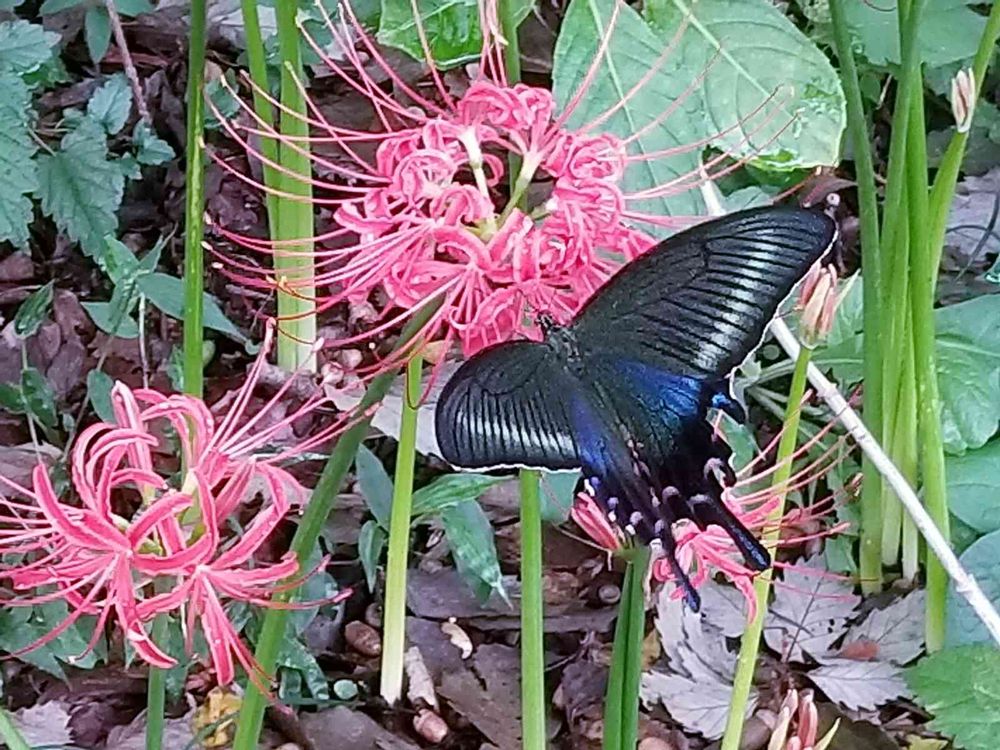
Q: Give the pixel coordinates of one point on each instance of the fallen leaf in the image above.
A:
(346, 729)
(969, 218)
(419, 684)
(896, 632)
(859, 684)
(810, 611)
(177, 733)
(488, 695)
(44, 724)
(18, 461)
(925, 743)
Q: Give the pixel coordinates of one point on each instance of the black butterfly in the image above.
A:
(623, 391)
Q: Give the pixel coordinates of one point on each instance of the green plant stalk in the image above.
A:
(948, 170)
(194, 205)
(869, 553)
(746, 662)
(621, 704)
(512, 66)
(905, 443)
(257, 63)
(9, 733)
(307, 534)
(394, 610)
(294, 261)
(156, 690)
(532, 615)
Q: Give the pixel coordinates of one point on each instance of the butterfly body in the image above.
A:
(622, 392)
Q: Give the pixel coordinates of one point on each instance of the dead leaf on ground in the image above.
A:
(177, 733)
(18, 461)
(45, 724)
(859, 684)
(419, 683)
(488, 694)
(346, 729)
(894, 634)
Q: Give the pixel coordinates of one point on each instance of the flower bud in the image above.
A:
(818, 302)
(963, 99)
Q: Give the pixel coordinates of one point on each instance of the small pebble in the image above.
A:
(430, 726)
(363, 638)
(373, 615)
(609, 593)
(655, 743)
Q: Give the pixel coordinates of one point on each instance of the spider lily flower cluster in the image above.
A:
(703, 553)
(428, 217)
(132, 544)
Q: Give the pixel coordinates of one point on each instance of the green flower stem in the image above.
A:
(257, 62)
(194, 205)
(532, 615)
(746, 663)
(621, 704)
(11, 736)
(394, 611)
(313, 519)
(870, 561)
(156, 690)
(512, 66)
(293, 262)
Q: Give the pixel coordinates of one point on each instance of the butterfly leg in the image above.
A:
(665, 546)
(707, 510)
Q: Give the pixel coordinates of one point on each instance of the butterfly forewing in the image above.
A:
(698, 303)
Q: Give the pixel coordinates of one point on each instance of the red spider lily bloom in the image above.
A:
(799, 709)
(426, 219)
(702, 553)
(104, 564)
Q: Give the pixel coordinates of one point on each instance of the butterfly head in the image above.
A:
(546, 323)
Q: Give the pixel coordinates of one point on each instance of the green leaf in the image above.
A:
(24, 47)
(959, 686)
(150, 149)
(39, 399)
(451, 28)
(97, 32)
(558, 490)
(980, 560)
(295, 656)
(18, 176)
(111, 103)
(471, 538)
(80, 188)
(632, 47)
(99, 385)
(133, 8)
(449, 491)
(974, 487)
(167, 294)
(10, 398)
(54, 6)
(969, 382)
(105, 317)
(750, 53)
(949, 31)
(22, 626)
(371, 543)
(375, 485)
(33, 311)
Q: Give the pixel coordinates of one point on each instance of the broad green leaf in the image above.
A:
(293, 655)
(471, 538)
(150, 149)
(969, 381)
(450, 490)
(558, 490)
(54, 6)
(33, 311)
(371, 543)
(134, 7)
(22, 626)
(24, 47)
(959, 687)
(980, 560)
(949, 30)
(99, 385)
(167, 294)
(18, 176)
(9, 4)
(752, 55)
(111, 103)
(632, 48)
(375, 485)
(39, 400)
(451, 28)
(974, 487)
(80, 188)
(104, 317)
(97, 32)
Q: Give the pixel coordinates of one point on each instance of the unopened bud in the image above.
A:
(963, 99)
(819, 304)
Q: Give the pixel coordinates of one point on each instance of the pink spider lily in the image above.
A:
(798, 724)
(703, 553)
(104, 563)
(427, 217)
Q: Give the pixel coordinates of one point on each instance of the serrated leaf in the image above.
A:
(166, 292)
(80, 188)
(111, 103)
(150, 149)
(471, 539)
(449, 491)
(99, 385)
(18, 176)
(371, 543)
(809, 612)
(375, 485)
(451, 28)
(632, 47)
(752, 55)
(24, 47)
(859, 684)
(97, 32)
(896, 632)
(963, 626)
(39, 398)
(974, 487)
(949, 31)
(33, 311)
(959, 686)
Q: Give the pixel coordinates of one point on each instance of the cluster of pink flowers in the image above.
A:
(172, 551)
